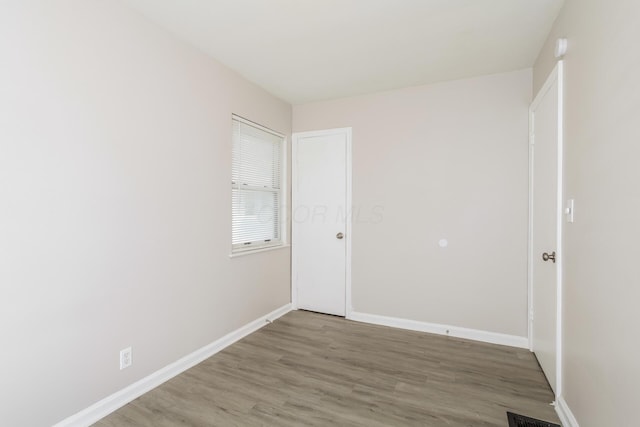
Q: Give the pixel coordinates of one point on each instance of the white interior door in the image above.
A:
(546, 223)
(320, 220)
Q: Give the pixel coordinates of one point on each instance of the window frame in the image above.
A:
(246, 248)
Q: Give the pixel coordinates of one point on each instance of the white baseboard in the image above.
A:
(120, 398)
(435, 328)
(564, 413)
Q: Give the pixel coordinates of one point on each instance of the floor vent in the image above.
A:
(516, 420)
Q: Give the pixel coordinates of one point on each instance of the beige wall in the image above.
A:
(440, 161)
(602, 291)
(115, 204)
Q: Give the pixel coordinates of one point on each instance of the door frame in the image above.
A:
(347, 131)
(556, 75)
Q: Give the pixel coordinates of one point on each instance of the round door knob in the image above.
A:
(339, 236)
(551, 256)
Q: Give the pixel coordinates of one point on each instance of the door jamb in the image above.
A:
(557, 74)
(348, 219)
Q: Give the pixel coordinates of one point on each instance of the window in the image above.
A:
(256, 185)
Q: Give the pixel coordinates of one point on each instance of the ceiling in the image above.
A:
(310, 50)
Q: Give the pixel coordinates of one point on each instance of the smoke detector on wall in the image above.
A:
(561, 48)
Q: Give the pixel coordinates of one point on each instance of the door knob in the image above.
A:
(339, 236)
(547, 257)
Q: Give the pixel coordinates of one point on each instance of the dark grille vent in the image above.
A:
(516, 420)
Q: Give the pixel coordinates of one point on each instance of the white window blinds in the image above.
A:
(255, 186)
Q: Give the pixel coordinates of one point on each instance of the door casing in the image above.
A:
(348, 220)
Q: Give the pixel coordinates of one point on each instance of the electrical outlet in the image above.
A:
(125, 358)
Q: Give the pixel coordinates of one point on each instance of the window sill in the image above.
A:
(258, 250)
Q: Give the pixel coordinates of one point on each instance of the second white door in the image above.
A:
(320, 220)
(546, 223)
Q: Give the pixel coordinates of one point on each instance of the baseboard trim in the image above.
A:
(109, 404)
(435, 328)
(564, 413)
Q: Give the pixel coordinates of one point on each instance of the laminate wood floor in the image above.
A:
(309, 369)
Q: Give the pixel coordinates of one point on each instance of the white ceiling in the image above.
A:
(309, 50)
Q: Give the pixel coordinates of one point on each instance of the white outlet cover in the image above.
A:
(125, 358)
(443, 243)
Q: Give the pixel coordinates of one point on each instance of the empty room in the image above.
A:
(319, 212)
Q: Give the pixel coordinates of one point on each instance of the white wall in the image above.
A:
(440, 161)
(115, 204)
(601, 349)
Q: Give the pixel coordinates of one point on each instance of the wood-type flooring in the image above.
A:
(309, 369)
